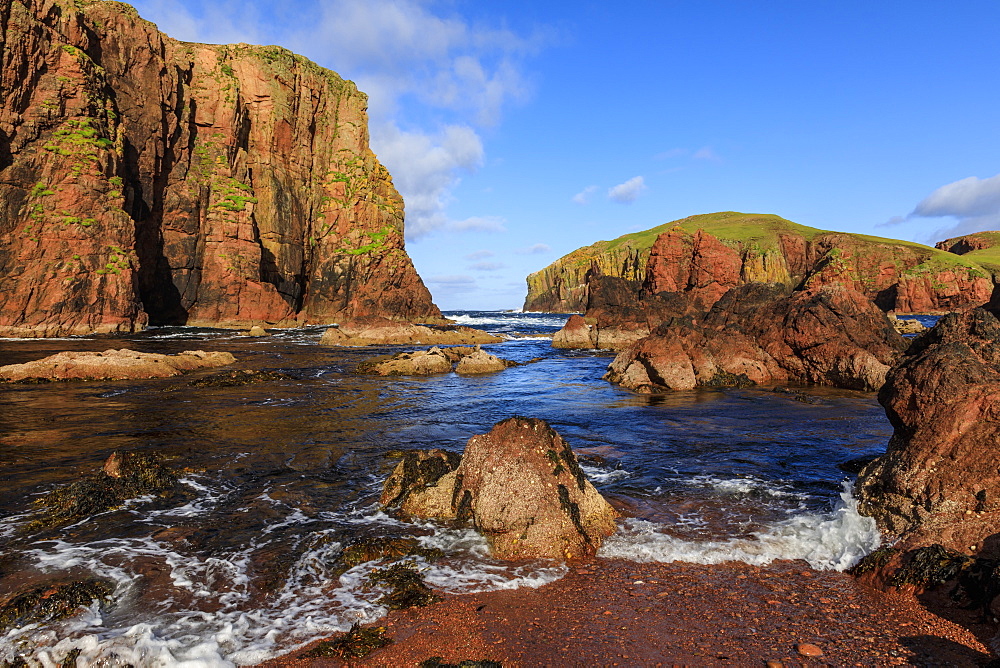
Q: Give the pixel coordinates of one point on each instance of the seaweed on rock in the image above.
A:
(52, 602)
(408, 588)
(126, 475)
(355, 644)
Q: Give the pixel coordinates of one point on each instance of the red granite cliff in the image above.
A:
(147, 180)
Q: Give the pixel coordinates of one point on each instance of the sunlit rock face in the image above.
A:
(147, 180)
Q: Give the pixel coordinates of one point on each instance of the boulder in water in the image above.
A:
(46, 603)
(520, 485)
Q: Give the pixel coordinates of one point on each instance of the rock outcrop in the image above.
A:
(147, 180)
(759, 333)
(704, 256)
(381, 332)
(619, 314)
(112, 364)
(938, 481)
(462, 360)
(576, 333)
(521, 487)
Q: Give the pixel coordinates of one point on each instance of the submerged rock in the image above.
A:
(758, 334)
(380, 332)
(370, 549)
(51, 602)
(520, 485)
(124, 476)
(238, 378)
(121, 364)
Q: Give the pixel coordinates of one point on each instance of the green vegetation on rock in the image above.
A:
(754, 236)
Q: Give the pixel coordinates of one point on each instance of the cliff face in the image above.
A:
(144, 179)
(704, 256)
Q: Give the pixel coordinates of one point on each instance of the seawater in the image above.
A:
(279, 477)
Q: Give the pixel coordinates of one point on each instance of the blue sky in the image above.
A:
(520, 131)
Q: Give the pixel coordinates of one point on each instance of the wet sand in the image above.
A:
(620, 613)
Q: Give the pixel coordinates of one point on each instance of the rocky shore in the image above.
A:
(610, 612)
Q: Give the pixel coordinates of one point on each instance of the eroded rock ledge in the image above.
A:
(520, 485)
(759, 333)
(383, 332)
(112, 364)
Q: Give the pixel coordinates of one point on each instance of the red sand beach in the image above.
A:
(619, 613)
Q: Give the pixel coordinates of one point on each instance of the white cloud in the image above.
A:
(416, 59)
(973, 203)
(425, 169)
(410, 57)
(583, 197)
(451, 280)
(222, 22)
(480, 224)
(534, 250)
(672, 153)
(628, 192)
(480, 255)
(707, 154)
(967, 198)
(487, 266)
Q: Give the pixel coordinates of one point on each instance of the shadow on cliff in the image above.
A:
(160, 297)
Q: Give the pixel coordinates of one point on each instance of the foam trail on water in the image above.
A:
(833, 541)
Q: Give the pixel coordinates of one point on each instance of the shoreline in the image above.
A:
(621, 613)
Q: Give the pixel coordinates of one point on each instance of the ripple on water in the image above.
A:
(238, 565)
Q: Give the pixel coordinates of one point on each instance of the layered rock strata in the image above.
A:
(147, 180)
(521, 487)
(938, 481)
(112, 364)
(381, 332)
(704, 256)
(759, 333)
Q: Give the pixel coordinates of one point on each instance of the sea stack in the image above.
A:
(151, 181)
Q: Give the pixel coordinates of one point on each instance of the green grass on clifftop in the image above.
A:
(762, 231)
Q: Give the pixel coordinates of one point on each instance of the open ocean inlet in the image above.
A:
(279, 477)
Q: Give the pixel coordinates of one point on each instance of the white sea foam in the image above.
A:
(831, 541)
(505, 319)
(599, 475)
(745, 485)
(207, 614)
